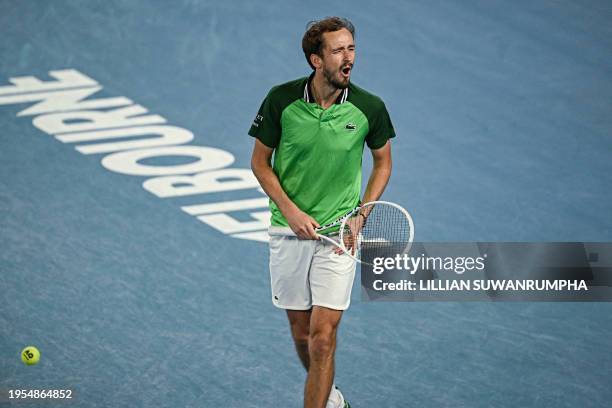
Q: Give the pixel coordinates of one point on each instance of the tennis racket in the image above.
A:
(377, 228)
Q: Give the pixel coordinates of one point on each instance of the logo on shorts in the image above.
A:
(351, 126)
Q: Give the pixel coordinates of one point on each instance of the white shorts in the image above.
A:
(306, 273)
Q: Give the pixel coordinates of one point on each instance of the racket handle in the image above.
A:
(330, 240)
(337, 244)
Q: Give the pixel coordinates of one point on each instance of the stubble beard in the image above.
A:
(330, 76)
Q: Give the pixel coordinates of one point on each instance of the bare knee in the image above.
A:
(299, 322)
(299, 333)
(321, 345)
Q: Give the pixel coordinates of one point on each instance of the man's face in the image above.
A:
(338, 57)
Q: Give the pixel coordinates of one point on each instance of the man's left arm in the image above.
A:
(381, 171)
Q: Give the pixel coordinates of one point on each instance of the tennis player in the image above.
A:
(316, 128)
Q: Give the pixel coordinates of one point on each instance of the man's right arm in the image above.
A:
(301, 223)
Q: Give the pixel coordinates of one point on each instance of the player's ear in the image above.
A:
(316, 61)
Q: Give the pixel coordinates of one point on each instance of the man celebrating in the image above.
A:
(317, 127)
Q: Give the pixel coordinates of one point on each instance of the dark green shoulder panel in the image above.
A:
(380, 126)
(367, 102)
(267, 126)
(284, 94)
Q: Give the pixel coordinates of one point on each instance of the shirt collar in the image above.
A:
(308, 96)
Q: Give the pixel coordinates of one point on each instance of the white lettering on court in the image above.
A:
(129, 135)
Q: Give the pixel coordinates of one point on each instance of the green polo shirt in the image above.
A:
(318, 152)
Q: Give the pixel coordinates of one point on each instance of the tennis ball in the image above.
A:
(30, 355)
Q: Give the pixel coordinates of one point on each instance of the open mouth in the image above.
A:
(346, 70)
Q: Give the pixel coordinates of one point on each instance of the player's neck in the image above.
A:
(325, 94)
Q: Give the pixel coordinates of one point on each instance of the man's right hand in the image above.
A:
(302, 224)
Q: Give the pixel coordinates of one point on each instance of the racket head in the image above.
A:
(377, 229)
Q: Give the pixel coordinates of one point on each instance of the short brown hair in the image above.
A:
(312, 42)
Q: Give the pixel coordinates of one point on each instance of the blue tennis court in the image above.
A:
(138, 294)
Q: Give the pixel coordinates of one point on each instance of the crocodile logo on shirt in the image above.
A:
(351, 126)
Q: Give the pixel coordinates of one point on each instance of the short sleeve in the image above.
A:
(381, 128)
(266, 126)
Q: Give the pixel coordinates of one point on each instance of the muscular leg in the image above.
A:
(299, 321)
(321, 348)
